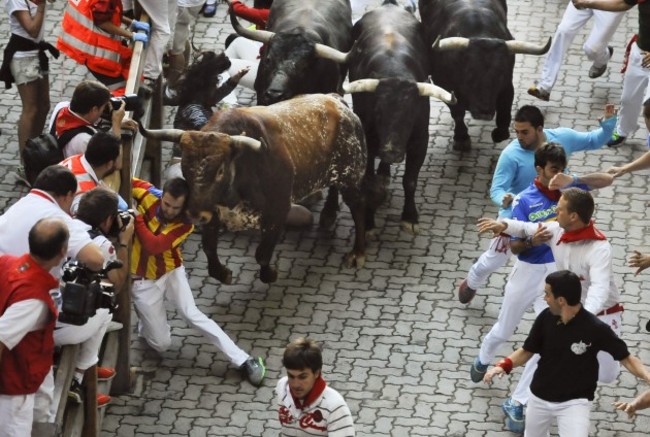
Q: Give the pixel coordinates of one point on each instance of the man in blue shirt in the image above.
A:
(515, 170)
(536, 204)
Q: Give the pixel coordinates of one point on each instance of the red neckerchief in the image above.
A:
(553, 195)
(40, 193)
(316, 391)
(589, 232)
(66, 120)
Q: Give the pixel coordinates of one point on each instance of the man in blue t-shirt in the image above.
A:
(536, 204)
(515, 170)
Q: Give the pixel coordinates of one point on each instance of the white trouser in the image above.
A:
(608, 367)
(605, 24)
(16, 415)
(44, 400)
(490, 261)
(572, 417)
(88, 336)
(148, 298)
(524, 288)
(635, 92)
(159, 12)
(243, 52)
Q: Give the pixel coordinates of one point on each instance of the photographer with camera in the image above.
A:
(102, 157)
(75, 122)
(98, 212)
(27, 315)
(51, 196)
(158, 273)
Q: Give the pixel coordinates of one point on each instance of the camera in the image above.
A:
(125, 218)
(133, 103)
(85, 291)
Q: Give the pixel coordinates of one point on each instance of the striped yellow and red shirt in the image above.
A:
(157, 243)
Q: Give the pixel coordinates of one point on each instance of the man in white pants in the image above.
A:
(570, 341)
(581, 248)
(635, 82)
(596, 49)
(159, 12)
(158, 272)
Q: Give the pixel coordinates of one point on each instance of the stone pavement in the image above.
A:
(398, 345)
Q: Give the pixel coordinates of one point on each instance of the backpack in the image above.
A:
(46, 149)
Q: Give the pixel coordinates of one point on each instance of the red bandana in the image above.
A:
(589, 232)
(66, 120)
(553, 195)
(316, 391)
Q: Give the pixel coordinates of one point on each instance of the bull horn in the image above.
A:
(172, 135)
(263, 36)
(327, 52)
(526, 48)
(451, 43)
(361, 86)
(431, 90)
(244, 141)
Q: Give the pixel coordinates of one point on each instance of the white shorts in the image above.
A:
(26, 70)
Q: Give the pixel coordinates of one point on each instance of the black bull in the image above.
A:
(388, 73)
(248, 165)
(303, 48)
(474, 59)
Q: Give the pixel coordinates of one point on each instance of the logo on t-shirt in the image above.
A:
(579, 348)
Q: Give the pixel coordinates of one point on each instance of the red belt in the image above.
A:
(618, 308)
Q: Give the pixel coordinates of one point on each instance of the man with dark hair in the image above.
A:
(161, 226)
(102, 157)
(515, 170)
(536, 204)
(51, 196)
(97, 212)
(307, 406)
(579, 247)
(570, 341)
(27, 315)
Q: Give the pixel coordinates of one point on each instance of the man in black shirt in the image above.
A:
(568, 339)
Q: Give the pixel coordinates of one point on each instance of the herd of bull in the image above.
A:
(248, 165)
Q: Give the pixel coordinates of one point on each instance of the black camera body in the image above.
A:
(86, 291)
(125, 217)
(133, 103)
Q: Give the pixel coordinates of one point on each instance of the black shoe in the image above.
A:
(616, 140)
(595, 72)
(209, 11)
(75, 393)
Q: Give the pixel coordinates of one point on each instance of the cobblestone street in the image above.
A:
(397, 343)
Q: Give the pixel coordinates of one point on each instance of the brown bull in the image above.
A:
(248, 165)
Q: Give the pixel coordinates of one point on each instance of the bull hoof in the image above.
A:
(327, 219)
(411, 228)
(372, 235)
(355, 260)
(268, 275)
(462, 145)
(221, 274)
(499, 135)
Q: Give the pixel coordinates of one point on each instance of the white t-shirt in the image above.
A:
(23, 5)
(22, 318)
(16, 222)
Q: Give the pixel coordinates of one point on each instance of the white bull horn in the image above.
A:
(327, 52)
(172, 135)
(263, 36)
(431, 90)
(244, 141)
(526, 48)
(361, 86)
(451, 43)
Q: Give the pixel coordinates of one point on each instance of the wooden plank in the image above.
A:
(62, 380)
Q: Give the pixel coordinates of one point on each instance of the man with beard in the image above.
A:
(515, 171)
(102, 158)
(161, 226)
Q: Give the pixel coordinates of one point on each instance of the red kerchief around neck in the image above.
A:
(553, 195)
(316, 391)
(66, 120)
(587, 233)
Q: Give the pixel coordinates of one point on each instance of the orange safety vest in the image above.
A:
(85, 181)
(87, 44)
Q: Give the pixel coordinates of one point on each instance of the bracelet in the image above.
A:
(506, 365)
(124, 245)
(575, 179)
(529, 242)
